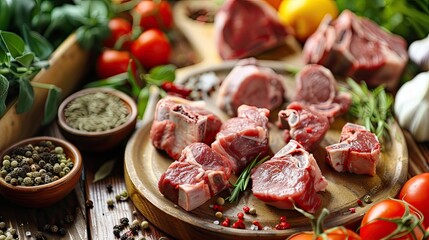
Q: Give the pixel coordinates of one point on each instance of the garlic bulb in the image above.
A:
(412, 106)
(419, 53)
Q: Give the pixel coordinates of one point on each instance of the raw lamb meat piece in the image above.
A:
(199, 174)
(242, 138)
(291, 176)
(357, 152)
(252, 85)
(303, 125)
(357, 47)
(179, 122)
(247, 28)
(317, 88)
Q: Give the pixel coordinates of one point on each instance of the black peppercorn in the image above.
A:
(124, 221)
(54, 229)
(117, 233)
(47, 227)
(69, 218)
(124, 236)
(89, 204)
(109, 188)
(62, 231)
(120, 227)
(40, 236)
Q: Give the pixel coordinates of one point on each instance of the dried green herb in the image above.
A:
(104, 170)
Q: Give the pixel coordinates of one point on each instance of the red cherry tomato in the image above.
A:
(119, 27)
(151, 48)
(416, 192)
(154, 15)
(112, 62)
(337, 234)
(373, 229)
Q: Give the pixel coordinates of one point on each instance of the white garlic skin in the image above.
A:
(412, 106)
(419, 53)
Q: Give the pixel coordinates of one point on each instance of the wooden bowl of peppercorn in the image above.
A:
(97, 119)
(39, 171)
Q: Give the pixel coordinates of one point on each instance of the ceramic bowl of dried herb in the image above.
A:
(39, 171)
(97, 119)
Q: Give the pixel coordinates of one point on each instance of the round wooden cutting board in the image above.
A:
(144, 165)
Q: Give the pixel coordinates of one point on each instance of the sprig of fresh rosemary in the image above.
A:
(244, 178)
(371, 108)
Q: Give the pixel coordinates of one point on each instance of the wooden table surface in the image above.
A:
(82, 222)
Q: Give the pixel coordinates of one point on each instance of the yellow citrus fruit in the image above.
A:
(274, 3)
(304, 16)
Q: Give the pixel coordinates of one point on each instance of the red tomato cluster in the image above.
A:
(151, 48)
(405, 218)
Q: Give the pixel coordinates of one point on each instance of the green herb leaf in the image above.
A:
(51, 105)
(37, 43)
(160, 74)
(4, 87)
(113, 81)
(26, 59)
(371, 108)
(25, 97)
(142, 102)
(244, 178)
(135, 88)
(13, 43)
(104, 171)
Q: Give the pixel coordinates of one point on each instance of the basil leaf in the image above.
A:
(51, 105)
(25, 97)
(26, 59)
(13, 43)
(142, 101)
(37, 43)
(4, 87)
(3, 55)
(162, 73)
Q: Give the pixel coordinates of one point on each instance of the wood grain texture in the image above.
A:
(68, 65)
(144, 166)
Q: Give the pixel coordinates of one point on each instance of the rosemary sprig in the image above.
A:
(371, 108)
(244, 178)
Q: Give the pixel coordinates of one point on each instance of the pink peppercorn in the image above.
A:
(256, 223)
(352, 210)
(282, 226)
(217, 208)
(226, 222)
(240, 215)
(239, 224)
(359, 202)
(246, 209)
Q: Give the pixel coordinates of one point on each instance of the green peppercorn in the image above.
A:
(59, 150)
(54, 178)
(6, 163)
(12, 231)
(14, 164)
(28, 181)
(62, 174)
(2, 237)
(110, 203)
(66, 169)
(14, 181)
(3, 226)
(218, 215)
(6, 157)
(3, 173)
(144, 225)
(8, 178)
(28, 153)
(252, 211)
(57, 168)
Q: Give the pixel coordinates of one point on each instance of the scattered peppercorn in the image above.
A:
(226, 222)
(28, 234)
(109, 188)
(283, 224)
(352, 210)
(257, 224)
(46, 227)
(125, 221)
(54, 228)
(69, 218)
(359, 202)
(246, 209)
(240, 215)
(117, 233)
(89, 204)
(144, 225)
(40, 236)
(220, 201)
(2, 225)
(217, 208)
(367, 199)
(252, 211)
(62, 231)
(110, 203)
(218, 215)
(239, 224)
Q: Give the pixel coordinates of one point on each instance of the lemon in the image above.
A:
(304, 16)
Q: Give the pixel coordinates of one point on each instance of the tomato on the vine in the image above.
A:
(331, 234)
(154, 15)
(112, 62)
(151, 48)
(119, 28)
(397, 215)
(416, 192)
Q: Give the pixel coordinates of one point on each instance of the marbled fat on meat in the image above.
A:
(292, 176)
(179, 122)
(357, 152)
(199, 174)
(244, 137)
